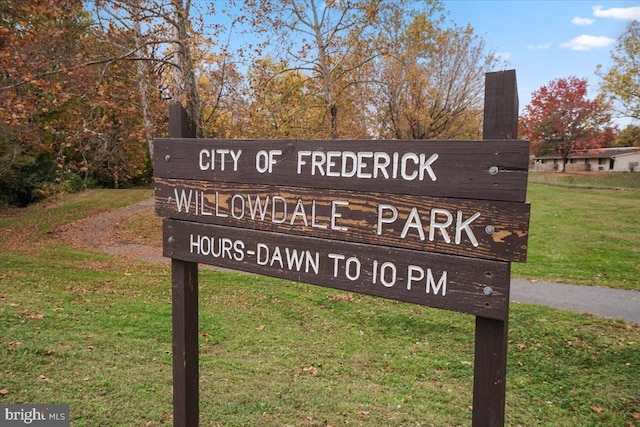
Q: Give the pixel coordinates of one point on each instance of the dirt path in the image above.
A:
(100, 233)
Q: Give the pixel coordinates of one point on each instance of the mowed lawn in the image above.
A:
(94, 331)
(584, 235)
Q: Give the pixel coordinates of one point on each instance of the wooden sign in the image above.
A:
(273, 207)
(435, 223)
(486, 170)
(473, 228)
(473, 286)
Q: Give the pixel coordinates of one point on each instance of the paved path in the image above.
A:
(605, 302)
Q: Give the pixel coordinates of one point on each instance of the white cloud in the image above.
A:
(503, 56)
(625, 13)
(582, 21)
(539, 46)
(586, 42)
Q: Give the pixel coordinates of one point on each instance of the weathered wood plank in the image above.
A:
(489, 170)
(356, 217)
(186, 373)
(184, 297)
(490, 362)
(467, 285)
(500, 103)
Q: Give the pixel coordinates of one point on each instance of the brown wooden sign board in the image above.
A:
(473, 228)
(487, 170)
(357, 212)
(473, 286)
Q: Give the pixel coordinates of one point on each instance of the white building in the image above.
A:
(616, 159)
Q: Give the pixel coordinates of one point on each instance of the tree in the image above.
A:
(628, 137)
(431, 78)
(561, 119)
(68, 111)
(280, 104)
(39, 59)
(161, 39)
(327, 40)
(177, 57)
(621, 83)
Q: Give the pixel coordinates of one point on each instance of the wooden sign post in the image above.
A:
(184, 291)
(435, 223)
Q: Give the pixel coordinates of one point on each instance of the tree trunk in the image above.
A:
(325, 70)
(186, 66)
(142, 74)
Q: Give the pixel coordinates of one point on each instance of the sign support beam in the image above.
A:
(490, 367)
(184, 296)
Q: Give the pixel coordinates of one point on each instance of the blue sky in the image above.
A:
(541, 39)
(544, 40)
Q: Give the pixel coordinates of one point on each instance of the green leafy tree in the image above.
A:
(628, 137)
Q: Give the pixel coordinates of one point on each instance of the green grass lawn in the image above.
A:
(94, 331)
(583, 236)
(609, 180)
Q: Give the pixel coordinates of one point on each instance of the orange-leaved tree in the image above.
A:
(560, 118)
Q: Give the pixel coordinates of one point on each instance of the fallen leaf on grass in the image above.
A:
(4, 391)
(35, 315)
(597, 409)
(636, 415)
(312, 370)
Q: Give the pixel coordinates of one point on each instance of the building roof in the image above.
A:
(594, 153)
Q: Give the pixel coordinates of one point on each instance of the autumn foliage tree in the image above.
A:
(280, 104)
(628, 137)
(621, 84)
(84, 86)
(67, 114)
(560, 118)
(431, 76)
(328, 41)
(39, 56)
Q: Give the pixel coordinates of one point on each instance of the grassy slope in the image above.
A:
(94, 331)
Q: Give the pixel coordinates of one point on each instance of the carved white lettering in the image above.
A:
(217, 247)
(464, 225)
(266, 160)
(366, 165)
(207, 159)
(442, 226)
(293, 259)
(335, 214)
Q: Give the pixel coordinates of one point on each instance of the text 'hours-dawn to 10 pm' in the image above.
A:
(351, 267)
